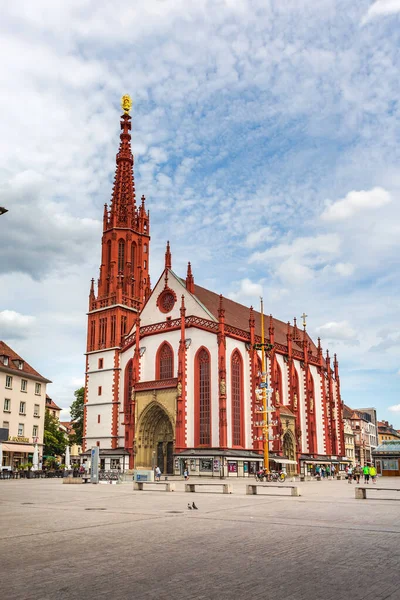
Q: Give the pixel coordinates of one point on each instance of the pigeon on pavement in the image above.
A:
(194, 506)
(189, 507)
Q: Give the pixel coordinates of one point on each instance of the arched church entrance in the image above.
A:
(289, 450)
(155, 439)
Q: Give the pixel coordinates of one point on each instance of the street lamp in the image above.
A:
(3, 210)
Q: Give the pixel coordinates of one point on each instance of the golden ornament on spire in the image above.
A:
(126, 103)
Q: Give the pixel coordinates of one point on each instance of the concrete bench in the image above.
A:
(251, 488)
(140, 485)
(361, 492)
(73, 480)
(226, 487)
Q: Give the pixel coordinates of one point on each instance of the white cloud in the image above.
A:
(341, 331)
(344, 269)
(395, 408)
(254, 238)
(355, 202)
(247, 289)
(382, 8)
(14, 325)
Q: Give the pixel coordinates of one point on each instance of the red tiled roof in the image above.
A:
(26, 369)
(51, 404)
(237, 315)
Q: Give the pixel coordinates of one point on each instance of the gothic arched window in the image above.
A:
(203, 398)
(237, 399)
(165, 362)
(121, 255)
(128, 385)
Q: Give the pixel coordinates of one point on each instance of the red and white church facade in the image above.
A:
(172, 371)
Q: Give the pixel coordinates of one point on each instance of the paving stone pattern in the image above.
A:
(108, 541)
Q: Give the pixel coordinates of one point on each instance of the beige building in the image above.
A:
(387, 433)
(22, 402)
(349, 441)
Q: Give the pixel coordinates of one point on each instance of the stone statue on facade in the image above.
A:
(222, 387)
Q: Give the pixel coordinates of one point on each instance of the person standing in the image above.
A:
(350, 474)
(333, 470)
(366, 474)
(185, 475)
(158, 473)
(372, 472)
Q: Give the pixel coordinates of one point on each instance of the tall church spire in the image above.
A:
(123, 208)
(124, 282)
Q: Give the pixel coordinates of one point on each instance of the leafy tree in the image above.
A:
(54, 440)
(77, 416)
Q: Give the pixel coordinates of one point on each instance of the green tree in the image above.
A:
(54, 440)
(77, 416)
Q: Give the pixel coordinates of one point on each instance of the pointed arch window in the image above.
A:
(165, 362)
(237, 399)
(203, 398)
(121, 255)
(128, 385)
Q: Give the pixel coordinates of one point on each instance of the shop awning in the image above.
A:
(23, 448)
(284, 461)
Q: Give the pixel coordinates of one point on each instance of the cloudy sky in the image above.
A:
(266, 140)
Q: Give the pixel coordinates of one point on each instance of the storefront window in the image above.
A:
(232, 466)
(206, 464)
(390, 464)
(216, 465)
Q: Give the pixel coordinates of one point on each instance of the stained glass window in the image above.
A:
(203, 365)
(236, 390)
(165, 362)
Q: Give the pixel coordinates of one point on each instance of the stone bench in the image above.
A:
(361, 492)
(251, 488)
(140, 485)
(226, 487)
(73, 480)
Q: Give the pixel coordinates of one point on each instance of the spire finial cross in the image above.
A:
(304, 317)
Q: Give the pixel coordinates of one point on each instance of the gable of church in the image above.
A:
(166, 298)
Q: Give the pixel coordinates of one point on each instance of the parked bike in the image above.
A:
(270, 477)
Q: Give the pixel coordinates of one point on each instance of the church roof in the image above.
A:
(13, 363)
(237, 315)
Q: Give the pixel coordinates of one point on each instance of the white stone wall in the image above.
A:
(302, 407)
(318, 410)
(100, 405)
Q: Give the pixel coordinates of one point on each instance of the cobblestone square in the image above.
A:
(108, 541)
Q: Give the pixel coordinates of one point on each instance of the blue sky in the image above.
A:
(266, 140)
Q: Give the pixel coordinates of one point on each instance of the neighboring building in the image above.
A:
(386, 432)
(360, 423)
(387, 458)
(372, 428)
(172, 373)
(22, 405)
(349, 436)
(75, 450)
(52, 407)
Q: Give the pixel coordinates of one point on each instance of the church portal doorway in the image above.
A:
(289, 450)
(155, 440)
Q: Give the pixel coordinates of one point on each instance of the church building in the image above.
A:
(173, 372)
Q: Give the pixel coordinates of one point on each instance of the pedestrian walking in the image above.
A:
(185, 475)
(328, 471)
(323, 472)
(333, 470)
(158, 473)
(366, 473)
(372, 472)
(317, 471)
(357, 473)
(350, 474)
